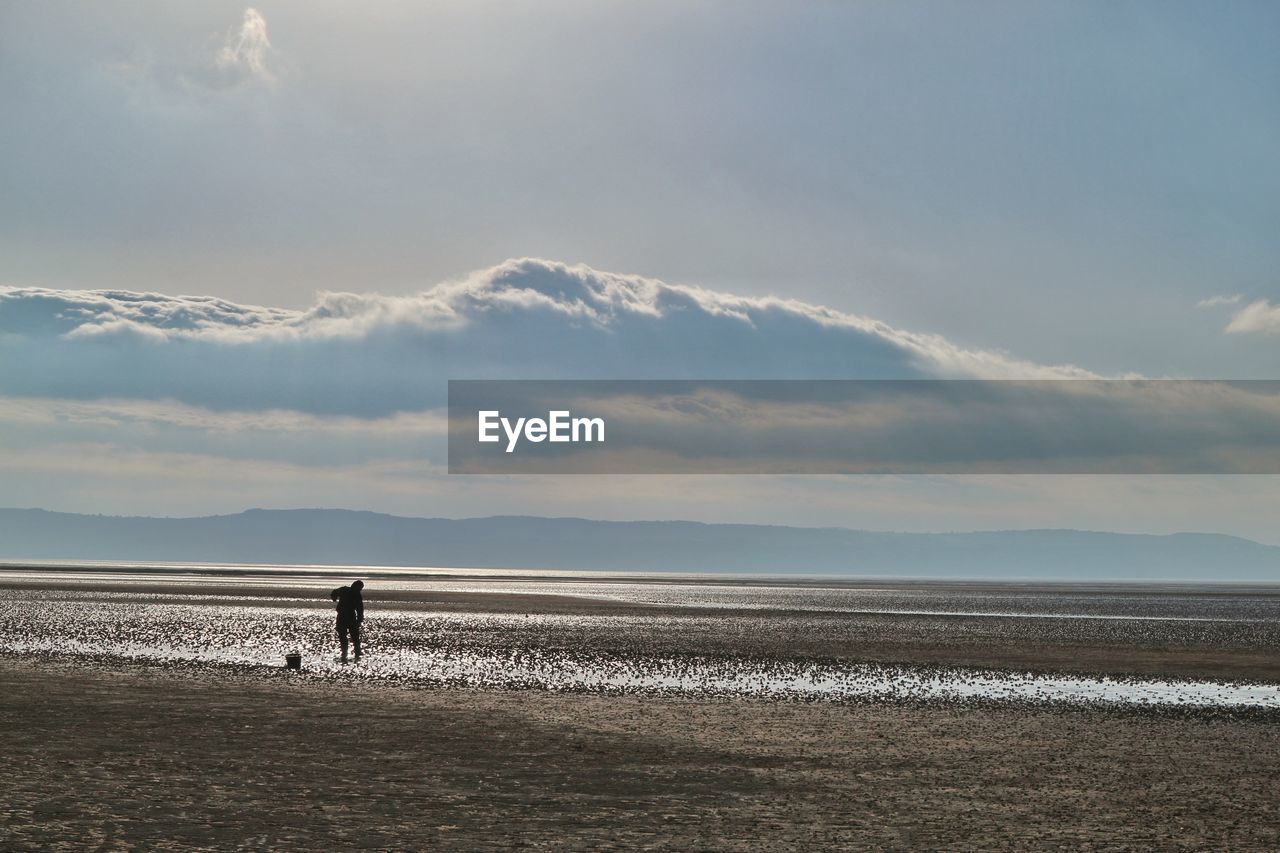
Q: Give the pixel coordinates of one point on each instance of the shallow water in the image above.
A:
(504, 650)
(1190, 603)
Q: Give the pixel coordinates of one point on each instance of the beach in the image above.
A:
(142, 757)
(152, 710)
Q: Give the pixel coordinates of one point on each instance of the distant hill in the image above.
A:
(342, 537)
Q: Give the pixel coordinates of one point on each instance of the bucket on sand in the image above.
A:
(293, 662)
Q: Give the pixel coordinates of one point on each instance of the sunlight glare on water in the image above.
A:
(420, 646)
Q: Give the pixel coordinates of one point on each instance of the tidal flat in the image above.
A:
(152, 709)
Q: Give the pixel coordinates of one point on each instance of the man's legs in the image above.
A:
(342, 638)
(355, 639)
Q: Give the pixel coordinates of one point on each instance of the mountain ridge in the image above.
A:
(362, 537)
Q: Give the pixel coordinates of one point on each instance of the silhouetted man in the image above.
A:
(350, 604)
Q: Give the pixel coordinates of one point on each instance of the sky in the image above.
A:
(334, 207)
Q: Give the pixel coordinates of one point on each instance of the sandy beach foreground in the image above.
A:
(125, 756)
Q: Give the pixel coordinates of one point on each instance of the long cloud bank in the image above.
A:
(370, 355)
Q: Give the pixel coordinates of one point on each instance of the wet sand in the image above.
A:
(1244, 644)
(119, 757)
(152, 713)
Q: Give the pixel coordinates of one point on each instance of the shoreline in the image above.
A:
(178, 572)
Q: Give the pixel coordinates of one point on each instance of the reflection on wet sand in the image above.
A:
(616, 652)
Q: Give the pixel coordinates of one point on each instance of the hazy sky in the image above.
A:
(1031, 184)
(1064, 180)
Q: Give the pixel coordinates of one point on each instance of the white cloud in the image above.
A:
(245, 50)
(1220, 300)
(370, 355)
(165, 74)
(29, 425)
(155, 414)
(231, 60)
(1257, 317)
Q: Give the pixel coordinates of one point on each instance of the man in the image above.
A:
(350, 604)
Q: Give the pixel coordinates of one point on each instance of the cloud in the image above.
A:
(245, 50)
(30, 423)
(370, 355)
(240, 56)
(1258, 317)
(153, 415)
